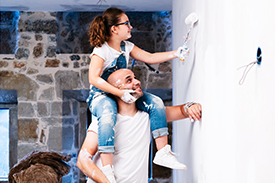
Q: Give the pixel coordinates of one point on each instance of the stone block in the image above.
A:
(160, 81)
(3, 64)
(68, 121)
(165, 67)
(52, 121)
(32, 71)
(27, 129)
(26, 88)
(8, 97)
(67, 137)
(83, 122)
(56, 109)
(86, 58)
(42, 109)
(38, 37)
(55, 139)
(51, 39)
(79, 95)
(76, 64)
(22, 53)
(75, 108)
(51, 50)
(75, 57)
(24, 43)
(83, 64)
(26, 148)
(38, 26)
(17, 64)
(66, 80)
(25, 37)
(45, 78)
(52, 63)
(47, 94)
(84, 73)
(65, 64)
(66, 108)
(38, 50)
(25, 109)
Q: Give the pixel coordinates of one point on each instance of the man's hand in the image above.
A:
(194, 112)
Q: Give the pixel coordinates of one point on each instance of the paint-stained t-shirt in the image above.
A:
(132, 141)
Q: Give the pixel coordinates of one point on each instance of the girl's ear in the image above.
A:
(113, 29)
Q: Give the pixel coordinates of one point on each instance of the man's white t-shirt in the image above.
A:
(108, 54)
(132, 141)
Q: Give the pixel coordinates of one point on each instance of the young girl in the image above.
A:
(108, 34)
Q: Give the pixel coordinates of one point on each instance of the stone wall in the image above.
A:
(51, 60)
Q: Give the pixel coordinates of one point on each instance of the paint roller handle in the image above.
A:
(151, 68)
(184, 51)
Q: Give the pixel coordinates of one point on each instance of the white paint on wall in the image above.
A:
(234, 142)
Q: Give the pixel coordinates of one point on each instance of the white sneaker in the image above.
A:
(109, 173)
(165, 157)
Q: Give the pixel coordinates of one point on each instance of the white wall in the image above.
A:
(235, 141)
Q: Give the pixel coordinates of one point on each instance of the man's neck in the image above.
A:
(126, 109)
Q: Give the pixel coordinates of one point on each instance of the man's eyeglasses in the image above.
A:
(124, 23)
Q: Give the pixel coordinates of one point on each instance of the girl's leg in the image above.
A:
(104, 109)
(154, 106)
(161, 142)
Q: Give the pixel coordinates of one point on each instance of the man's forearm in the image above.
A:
(87, 166)
(188, 110)
(174, 113)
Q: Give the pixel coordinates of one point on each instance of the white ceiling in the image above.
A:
(84, 5)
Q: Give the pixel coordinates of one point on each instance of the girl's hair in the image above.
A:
(100, 27)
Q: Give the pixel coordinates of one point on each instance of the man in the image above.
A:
(132, 136)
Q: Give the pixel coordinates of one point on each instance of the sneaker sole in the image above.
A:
(161, 164)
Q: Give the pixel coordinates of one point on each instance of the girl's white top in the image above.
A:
(108, 54)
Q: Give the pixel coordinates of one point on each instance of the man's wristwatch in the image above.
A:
(187, 105)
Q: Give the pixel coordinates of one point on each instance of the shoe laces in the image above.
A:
(168, 150)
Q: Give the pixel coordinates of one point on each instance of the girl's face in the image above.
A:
(124, 27)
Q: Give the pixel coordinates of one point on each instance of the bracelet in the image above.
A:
(187, 105)
(181, 110)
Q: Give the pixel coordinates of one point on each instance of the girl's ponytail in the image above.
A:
(100, 27)
(98, 32)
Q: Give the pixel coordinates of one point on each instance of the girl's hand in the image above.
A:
(127, 97)
(182, 50)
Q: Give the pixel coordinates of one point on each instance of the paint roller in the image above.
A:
(190, 20)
